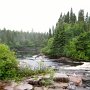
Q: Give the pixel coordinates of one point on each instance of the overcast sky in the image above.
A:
(37, 14)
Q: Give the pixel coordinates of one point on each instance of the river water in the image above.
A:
(34, 62)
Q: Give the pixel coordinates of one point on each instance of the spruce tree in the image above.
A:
(72, 17)
(59, 40)
(66, 20)
(50, 33)
(81, 16)
(86, 18)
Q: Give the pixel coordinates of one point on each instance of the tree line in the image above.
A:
(71, 37)
(23, 42)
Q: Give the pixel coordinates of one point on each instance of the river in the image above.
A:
(34, 62)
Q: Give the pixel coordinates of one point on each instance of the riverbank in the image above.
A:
(58, 82)
(65, 76)
(66, 60)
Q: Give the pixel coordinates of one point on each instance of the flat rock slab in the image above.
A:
(55, 86)
(40, 88)
(57, 75)
(58, 86)
(23, 87)
(57, 89)
(61, 78)
(81, 88)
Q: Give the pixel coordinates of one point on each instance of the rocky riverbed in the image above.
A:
(69, 75)
(59, 82)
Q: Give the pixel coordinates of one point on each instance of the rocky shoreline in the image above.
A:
(66, 60)
(60, 82)
(74, 77)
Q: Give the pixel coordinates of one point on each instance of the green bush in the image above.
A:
(46, 82)
(8, 63)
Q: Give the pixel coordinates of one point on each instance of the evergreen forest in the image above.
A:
(23, 43)
(71, 37)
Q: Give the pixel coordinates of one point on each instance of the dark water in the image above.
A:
(68, 69)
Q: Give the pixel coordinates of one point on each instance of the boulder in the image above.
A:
(76, 79)
(58, 86)
(34, 81)
(61, 78)
(23, 87)
(40, 88)
(86, 81)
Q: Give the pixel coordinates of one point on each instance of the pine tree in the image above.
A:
(50, 33)
(53, 30)
(59, 40)
(86, 19)
(66, 20)
(81, 16)
(72, 17)
(61, 18)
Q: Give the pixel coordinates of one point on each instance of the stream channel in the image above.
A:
(63, 68)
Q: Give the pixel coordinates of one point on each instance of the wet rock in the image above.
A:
(76, 79)
(86, 81)
(61, 78)
(71, 86)
(23, 87)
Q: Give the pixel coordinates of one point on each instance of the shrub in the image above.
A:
(8, 63)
